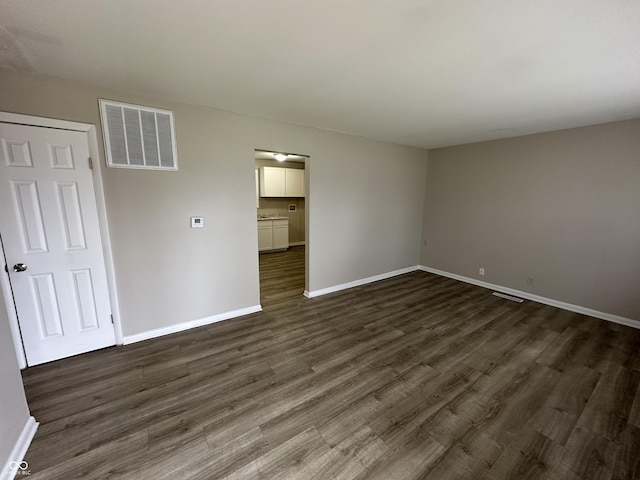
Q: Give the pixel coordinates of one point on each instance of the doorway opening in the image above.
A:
(282, 183)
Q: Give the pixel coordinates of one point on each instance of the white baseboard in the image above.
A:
(536, 298)
(19, 450)
(357, 283)
(297, 244)
(179, 327)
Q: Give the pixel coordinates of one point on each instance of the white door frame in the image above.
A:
(94, 151)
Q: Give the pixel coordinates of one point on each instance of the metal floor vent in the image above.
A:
(508, 297)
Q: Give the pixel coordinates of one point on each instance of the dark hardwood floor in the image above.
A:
(281, 275)
(418, 376)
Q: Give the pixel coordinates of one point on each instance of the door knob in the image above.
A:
(19, 267)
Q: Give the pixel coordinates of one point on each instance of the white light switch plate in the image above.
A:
(197, 222)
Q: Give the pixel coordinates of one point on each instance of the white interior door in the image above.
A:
(51, 237)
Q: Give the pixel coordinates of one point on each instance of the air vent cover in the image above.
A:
(138, 137)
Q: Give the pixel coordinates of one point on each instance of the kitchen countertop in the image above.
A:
(272, 218)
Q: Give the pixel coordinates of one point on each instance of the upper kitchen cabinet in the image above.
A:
(293, 182)
(272, 182)
(281, 182)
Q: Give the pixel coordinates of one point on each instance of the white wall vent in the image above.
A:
(138, 137)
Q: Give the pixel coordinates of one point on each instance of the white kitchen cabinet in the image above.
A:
(281, 182)
(273, 234)
(280, 234)
(272, 182)
(293, 182)
(265, 235)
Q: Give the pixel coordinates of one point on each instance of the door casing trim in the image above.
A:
(94, 151)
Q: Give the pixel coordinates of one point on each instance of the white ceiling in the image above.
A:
(426, 73)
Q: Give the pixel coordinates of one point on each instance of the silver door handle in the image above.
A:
(19, 267)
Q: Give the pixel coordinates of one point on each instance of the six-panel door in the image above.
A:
(49, 223)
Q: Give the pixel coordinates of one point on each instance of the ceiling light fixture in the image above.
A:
(281, 157)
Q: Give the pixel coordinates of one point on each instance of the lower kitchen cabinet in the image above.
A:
(280, 234)
(265, 235)
(273, 234)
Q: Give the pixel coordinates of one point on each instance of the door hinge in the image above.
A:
(112, 318)
(90, 163)
(6, 268)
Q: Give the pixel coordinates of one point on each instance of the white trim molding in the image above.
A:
(536, 298)
(357, 283)
(34, 121)
(20, 448)
(180, 327)
(5, 286)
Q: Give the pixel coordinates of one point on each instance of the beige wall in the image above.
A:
(561, 207)
(280, 206)
(364, 205)
(14, 411)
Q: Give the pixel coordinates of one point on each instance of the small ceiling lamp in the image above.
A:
(281, 157)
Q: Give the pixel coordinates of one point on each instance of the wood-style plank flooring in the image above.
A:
(281, 275)
(415, 377)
